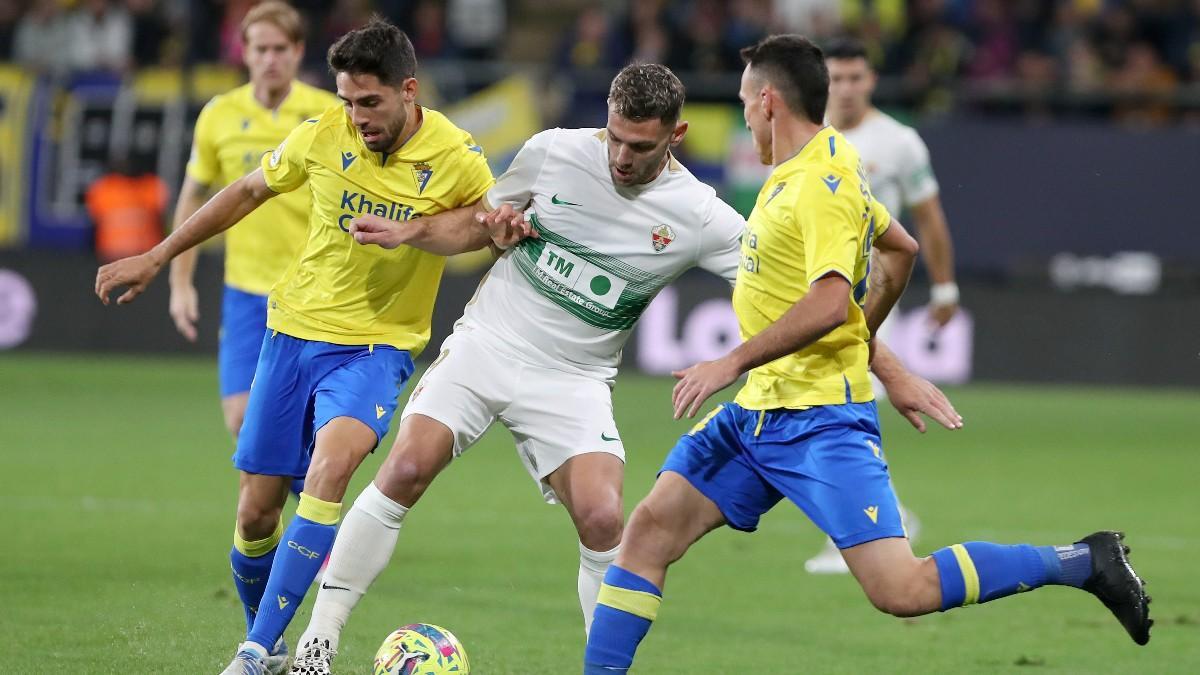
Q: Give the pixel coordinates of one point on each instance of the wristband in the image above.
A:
(943, 294)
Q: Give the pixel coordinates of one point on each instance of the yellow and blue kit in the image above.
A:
(345, 320)
(804, 426)
(232, 134)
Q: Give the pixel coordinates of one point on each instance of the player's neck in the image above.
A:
(789, 135)
(271, 98)
(416, 117)
(851, 121)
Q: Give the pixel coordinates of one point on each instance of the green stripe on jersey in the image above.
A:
(599, 289)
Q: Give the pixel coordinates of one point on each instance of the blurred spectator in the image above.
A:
(477, 27)
(127, 209)
(699, 45)
(428, 34)
(589, 43)
(41, 37)
(10, 11)
(99, 36)
(151, 32)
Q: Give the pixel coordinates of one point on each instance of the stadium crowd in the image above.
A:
(923, 48)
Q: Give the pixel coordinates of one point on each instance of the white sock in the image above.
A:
(364, 545)
(592, 566)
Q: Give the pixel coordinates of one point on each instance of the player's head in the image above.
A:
(644, 104)
(851, 79)
(375, 68)
(272, 44)
(785, 78)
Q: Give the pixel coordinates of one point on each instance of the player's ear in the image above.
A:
(680, 131)
(408, 89)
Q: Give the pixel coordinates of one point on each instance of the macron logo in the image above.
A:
(832, 182)
(347, 159)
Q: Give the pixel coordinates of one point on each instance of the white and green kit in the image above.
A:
(538, 346)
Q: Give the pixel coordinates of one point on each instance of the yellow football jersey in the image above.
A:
(814, 216)
(232, 134)
(346, 293)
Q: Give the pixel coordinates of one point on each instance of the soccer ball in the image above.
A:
(421, 649)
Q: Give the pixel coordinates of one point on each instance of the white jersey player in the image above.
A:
(614, 218)
(901, 176)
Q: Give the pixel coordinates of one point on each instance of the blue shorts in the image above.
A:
(302, 384)
(243, 320)
(827, 460)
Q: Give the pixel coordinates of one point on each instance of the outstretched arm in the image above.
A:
(468, 228)
(219, 214)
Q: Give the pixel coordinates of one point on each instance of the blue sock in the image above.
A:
(978, 571)
(308, 539)
(625, 610)
(251, 564)
(297, 486)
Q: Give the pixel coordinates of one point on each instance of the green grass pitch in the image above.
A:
(118, 502)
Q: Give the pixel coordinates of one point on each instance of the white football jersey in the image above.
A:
(896, 160)
(568, 299)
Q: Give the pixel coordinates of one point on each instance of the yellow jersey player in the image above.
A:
(345, 321)
(232, 134)
(804, 426)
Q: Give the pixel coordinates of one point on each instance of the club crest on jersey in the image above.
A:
(422, 171)
(661, 237)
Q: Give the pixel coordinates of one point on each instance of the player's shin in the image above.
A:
(305, 543)
(364, 546)
(592, 567)
(251, 563)
(627, 606)
(979, 571)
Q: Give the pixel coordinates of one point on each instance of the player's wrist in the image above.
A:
(943, 294)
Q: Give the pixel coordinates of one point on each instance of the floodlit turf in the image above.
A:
(118, 501)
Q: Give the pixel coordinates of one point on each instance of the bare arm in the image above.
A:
(821, 310)
(219, 214)
(184, 305)
(912, 395)
(467, 228)
(894, 256)
(938, 254)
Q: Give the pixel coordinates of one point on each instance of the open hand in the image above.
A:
(506, 226)
(185, 309)
(913, 396)
(133, 273)
(699, 382)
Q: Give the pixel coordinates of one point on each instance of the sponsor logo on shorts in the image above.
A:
(872, 513)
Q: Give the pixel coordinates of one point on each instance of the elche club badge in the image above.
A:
(661, 237)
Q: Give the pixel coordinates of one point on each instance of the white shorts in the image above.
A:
(553, 415)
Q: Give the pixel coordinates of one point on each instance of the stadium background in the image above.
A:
(1065, 136)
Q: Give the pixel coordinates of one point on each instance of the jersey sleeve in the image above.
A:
(830, 230)
(720, 243)
(515, 186)
(286, 168)
(917, 182)
(203, 165)
(883, 218)
(475, 176)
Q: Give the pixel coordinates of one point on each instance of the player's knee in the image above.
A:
(653, 535)
(256, 522)
(900, 596)
(600, 526)
(405, 479)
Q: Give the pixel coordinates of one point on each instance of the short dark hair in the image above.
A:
(645, 91)
(796, 67)
(846, 48)
(378, 49)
